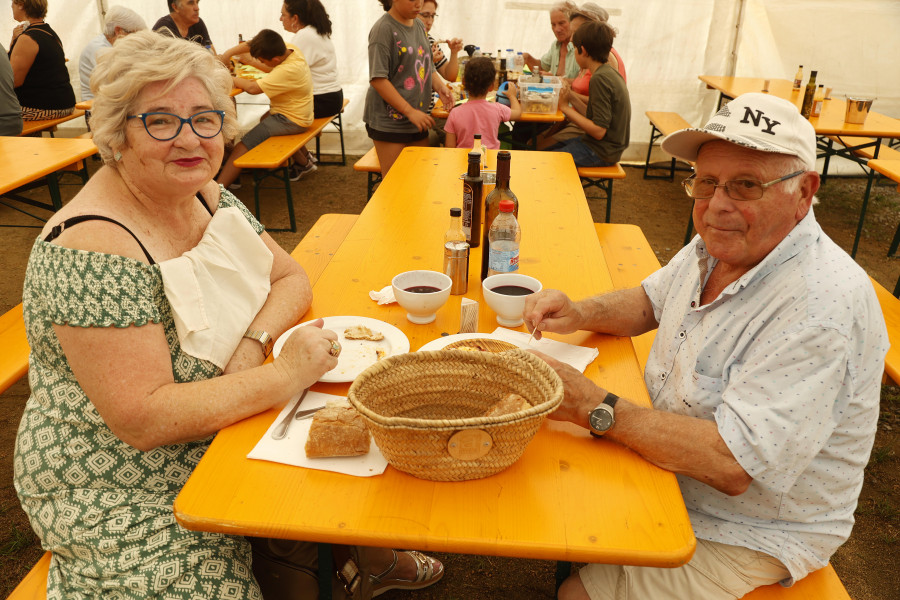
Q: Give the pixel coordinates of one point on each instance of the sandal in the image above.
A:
(428, 571)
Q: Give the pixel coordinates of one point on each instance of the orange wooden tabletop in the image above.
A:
(570, 497)
(830, 122)
(24, 159)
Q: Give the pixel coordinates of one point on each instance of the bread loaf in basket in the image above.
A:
(425, 410)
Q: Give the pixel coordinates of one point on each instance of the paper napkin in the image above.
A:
(290, 449)
(383, 296)
(577, 356)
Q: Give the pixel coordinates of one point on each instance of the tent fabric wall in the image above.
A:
(665, 44)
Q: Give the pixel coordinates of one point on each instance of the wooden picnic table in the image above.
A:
(28, 159)
(570, 497)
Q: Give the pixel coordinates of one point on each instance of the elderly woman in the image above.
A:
(183, 21)
(39, 64)
(560, 58)
(447, 67)
(151, 300)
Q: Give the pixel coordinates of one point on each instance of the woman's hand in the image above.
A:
(436, 54)
(307, 355)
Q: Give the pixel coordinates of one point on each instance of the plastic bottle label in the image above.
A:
(503, 261)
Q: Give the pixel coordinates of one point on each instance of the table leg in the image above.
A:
(862, 212)
(563, 570)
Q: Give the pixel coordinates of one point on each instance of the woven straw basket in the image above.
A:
(425, 410)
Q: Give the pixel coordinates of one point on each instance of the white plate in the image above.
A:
(356, 355)
(441, 342)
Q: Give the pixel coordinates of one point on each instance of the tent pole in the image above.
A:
(739, 24)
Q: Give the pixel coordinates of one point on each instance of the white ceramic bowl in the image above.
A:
(509, 308)
(421, 307)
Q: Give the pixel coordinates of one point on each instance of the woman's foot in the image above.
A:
(409, 570)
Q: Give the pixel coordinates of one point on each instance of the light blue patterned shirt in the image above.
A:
(787, 361)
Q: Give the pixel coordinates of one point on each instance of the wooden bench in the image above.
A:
(13, 348)
(48, 125)
(661, 125)
(823, 584)
(369, 164)
(630, 259)
(313, 253)
(890, 168)
(890, 308)
(602, 177)
(271, 157)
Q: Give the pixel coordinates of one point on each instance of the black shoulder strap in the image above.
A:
(203, 202)
(58, 229)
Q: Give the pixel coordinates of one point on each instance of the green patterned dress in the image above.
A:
(102, 507)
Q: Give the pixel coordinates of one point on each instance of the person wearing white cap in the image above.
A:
(764, 373)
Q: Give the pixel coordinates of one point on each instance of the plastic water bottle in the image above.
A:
(477, 51)
(504, 237)
(520, 63)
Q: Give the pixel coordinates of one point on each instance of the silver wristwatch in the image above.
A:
(263, 338)
(603, 418)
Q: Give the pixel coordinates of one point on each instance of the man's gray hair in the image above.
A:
(123, 18)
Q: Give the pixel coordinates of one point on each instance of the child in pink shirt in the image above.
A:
(478, 115)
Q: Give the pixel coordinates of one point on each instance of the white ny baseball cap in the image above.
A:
(758, 121)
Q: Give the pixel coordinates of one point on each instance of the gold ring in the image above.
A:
(335, 349)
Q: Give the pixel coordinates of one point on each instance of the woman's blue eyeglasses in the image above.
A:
(165, 126)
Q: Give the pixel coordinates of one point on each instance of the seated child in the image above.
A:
(289, 88)
(606, 122)
(478, 115)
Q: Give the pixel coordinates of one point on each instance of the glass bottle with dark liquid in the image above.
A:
(472, 200)
(492, 204)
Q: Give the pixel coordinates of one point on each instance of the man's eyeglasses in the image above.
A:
(737, 189)
(164, 126)
(428, 16)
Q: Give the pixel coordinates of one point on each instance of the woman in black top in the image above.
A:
(39, 64)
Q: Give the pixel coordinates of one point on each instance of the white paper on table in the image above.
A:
(291, 449)
(577, 356)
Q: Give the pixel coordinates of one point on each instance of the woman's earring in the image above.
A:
(117, 156)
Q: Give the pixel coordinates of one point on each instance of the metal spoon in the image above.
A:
(281, 430)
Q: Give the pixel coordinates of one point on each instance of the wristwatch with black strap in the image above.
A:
(603, 418)
(263, 338)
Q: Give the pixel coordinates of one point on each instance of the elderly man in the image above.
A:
(120, 21)
(764, 372)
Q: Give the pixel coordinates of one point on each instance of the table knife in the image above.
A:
(281, 430)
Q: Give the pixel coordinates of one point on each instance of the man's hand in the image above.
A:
(581, 394)
(551, 310)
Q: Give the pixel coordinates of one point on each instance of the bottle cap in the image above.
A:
(455, 212)
(507, 206)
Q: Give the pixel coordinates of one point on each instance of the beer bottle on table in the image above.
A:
(492, 203)
(798, 79)
(505, 236)
(809, 95)
(818, 100)
(481, 150)
(473, 200)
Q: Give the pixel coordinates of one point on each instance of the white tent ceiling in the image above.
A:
(665, 44)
